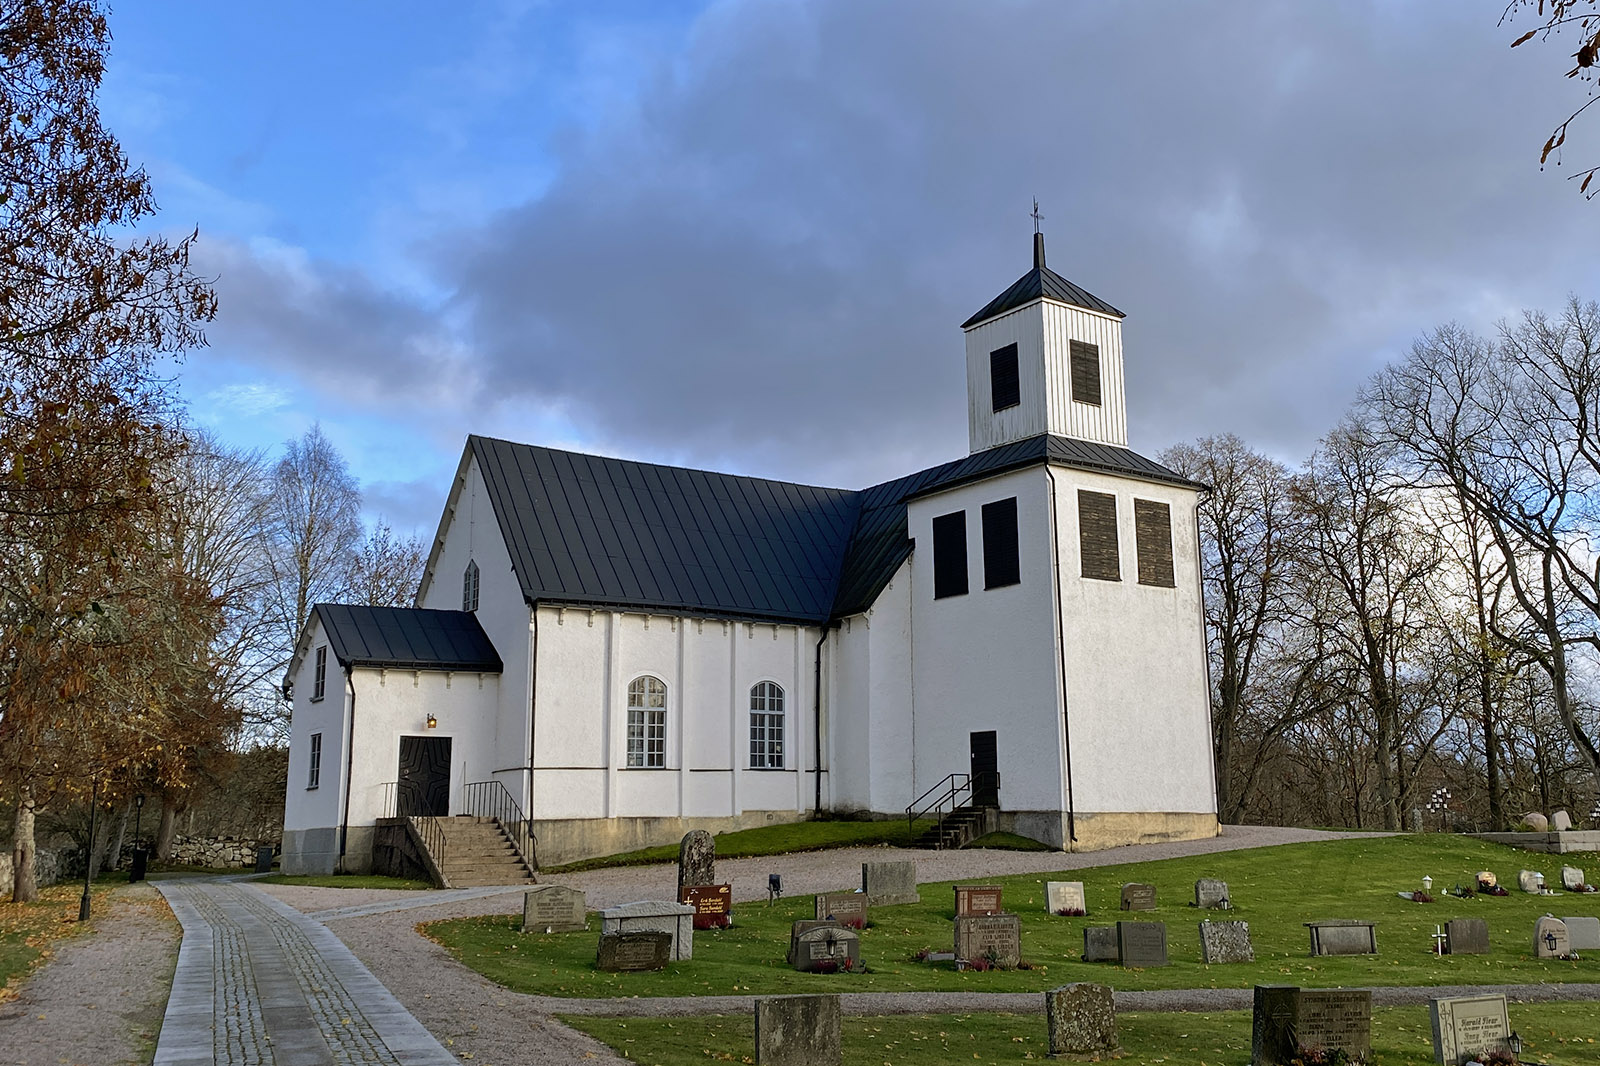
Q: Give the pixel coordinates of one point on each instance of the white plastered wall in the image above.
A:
(870, 704)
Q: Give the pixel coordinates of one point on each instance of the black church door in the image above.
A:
(985, 770)
(424, 776)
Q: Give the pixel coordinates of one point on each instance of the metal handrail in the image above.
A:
(491, 799)
(427, 827)
(950, 791)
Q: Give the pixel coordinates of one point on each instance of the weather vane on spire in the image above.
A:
(1036, 216)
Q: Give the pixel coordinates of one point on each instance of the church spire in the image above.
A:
(1038, 236)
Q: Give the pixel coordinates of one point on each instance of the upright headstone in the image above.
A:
(654, 916)
(1530, 881)
(804, 926)
(1141, 944)
(846, 908)
(1100, 943)
(1082, 1019)
(713, 905)
(1343, 936)
(1550, 939)
(826, 949)
(1534, 822)
(1138, 897)
(1466, 936)
(797, 1031)
(553, 909)
(1211, 894)
(633, 952)
(1583, 934)
(1225, 942)
(1572, 879)
(1487, 880)
(1560, 822)
(978, 899)
(889, 883)
(1065, 897)
(995, 938)
(697, 860)
(1469, 1028)
(1287, 1019)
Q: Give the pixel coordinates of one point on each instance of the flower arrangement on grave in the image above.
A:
(1493, 890)
(1462, 891)
(1320, 1056)
(1420, 896)
(835, 966)
(1071, 912)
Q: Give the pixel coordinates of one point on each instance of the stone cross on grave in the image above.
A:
(1440, 937)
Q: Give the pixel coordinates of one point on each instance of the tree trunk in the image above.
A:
(114, 856)
(1223, 754)
(25, 887)
(166, 830)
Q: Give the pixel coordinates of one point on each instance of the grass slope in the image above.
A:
(768, 840)
(1561, 1034)
(1275, 889)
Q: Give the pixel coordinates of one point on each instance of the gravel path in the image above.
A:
(99, 1001)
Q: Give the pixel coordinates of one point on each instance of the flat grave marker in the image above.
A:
(554, 909)
(887, 884)
(633, 952)
(1286, 1019)
(1138, 897)
(1466, 1028)
(848, 908)
(1065, 897)
(995, 937)
(1466, 936)
(1343, 936)
(798, 1031)
(1222, 942)
(1081, 1019)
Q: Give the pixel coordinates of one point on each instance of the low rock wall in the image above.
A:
(215, 852)
(49, 866)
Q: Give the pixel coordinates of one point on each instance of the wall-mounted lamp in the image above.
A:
(433, 723)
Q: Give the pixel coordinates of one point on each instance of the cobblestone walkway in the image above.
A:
(260, 984)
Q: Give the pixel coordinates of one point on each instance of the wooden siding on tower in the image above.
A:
(1106, 422)
(988, 427)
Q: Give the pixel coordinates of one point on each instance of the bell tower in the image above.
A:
(1045, 356)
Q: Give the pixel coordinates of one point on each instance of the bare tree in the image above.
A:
(386, 569)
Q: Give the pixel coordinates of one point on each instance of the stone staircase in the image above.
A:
(958, 828)
(477, 852)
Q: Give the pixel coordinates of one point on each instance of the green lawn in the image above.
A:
(27, 930)
(1275, 889)
(1561, 1034)
(768, 840)
(342, 881)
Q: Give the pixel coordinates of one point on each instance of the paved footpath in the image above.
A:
(260, 984)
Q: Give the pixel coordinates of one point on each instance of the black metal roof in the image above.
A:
(409, 638)
(1041, 281)
(591, 531)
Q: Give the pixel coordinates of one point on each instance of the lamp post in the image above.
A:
(137, 866)
(88, 855)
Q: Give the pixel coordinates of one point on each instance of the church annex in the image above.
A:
(622, 651)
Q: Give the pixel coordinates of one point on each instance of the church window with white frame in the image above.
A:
(647, 723)
(469, 587)
(766, 726)
(319, 677)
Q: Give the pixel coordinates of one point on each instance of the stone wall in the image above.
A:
(216, 852)
(49, 866)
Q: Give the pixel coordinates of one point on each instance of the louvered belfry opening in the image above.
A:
(1085, 373)
(1005, 385)
(1097, 535)
(1152, 526)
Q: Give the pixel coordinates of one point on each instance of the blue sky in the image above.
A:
(743, 234)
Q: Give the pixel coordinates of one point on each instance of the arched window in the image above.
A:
(469, 587)
(647, 723)
(766, 726)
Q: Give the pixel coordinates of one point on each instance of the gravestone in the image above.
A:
(978, 899)
(1530, 881)
(1343, 936)
(805, 926)
(553, 909)
(1141, 944)
(1466, 936)
(847, 908)
(995, 937)
(1550, 938)
(1082, 1019)
(1100, 943)
(697, 860)
(1487, 880)
(1572, 879)
(633, 952)
(1467, 1028)
(1287, 1019)
(797, 1031)
(654, 916)
(1138, 897)
(826, 949)
(1534, 822)
(713, 905)
(1560, 822)
(1211, 894)
(1065, 897)
(889, 883)
(1226, 942)
(1583, 934)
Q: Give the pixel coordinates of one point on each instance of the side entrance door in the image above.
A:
(424, 776)
(985, 770)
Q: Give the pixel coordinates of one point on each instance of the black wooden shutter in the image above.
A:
(1152, 526)
(1097, 535)
(1085, 372)
(950, 555)
(1000, 564)
(1005, 390)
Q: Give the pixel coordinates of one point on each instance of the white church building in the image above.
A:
(626, 651)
